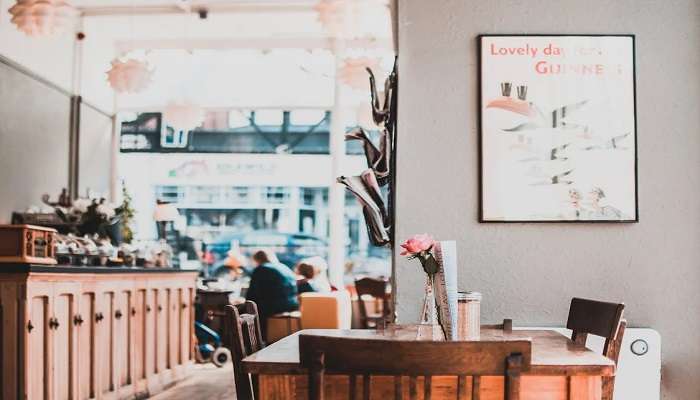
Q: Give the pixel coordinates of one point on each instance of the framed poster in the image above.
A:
(558, 128)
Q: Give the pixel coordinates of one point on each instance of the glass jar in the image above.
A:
(469, 315)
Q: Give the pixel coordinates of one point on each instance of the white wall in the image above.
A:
(34, 129)
(49, 57)
(529, 272)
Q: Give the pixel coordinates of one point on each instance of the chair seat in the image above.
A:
(281, 325)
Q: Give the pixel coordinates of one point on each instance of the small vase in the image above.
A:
(429, 324)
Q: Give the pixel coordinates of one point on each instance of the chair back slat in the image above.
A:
(398, 388)
(594, 317)
(343, 355)
(366, 381)
(243, 337)
(413, 388)
(375, 288)
(514, 364)
(359, 356)
(427, 388)
(461, 387)
(476, 387)
(353, 387)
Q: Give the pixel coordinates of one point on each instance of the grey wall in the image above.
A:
(34, 129)
(529, 272)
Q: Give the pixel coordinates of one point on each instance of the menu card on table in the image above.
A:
(446, 287)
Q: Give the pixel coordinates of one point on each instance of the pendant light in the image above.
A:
(42, 17)
(129, 75)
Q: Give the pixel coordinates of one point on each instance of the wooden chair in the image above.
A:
(601, 319)
(367, 357)
(376, 288)
(243, 337)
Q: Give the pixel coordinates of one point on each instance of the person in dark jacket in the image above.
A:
(273, 286)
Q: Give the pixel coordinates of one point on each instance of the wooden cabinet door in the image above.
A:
(63, 342)
(12, 328)
(151, 337)
(37, 349)
(121, 337)
(138, 333)
(104, 335)
(87, 345)
(173, 327)
(162, 330)
(185, 324)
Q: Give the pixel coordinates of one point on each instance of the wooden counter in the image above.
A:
(560, 369)
(93, 332)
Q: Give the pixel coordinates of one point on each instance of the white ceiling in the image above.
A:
(88, 4)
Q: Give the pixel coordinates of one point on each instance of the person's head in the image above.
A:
(264, 256)
(317, 264)
(306, 270)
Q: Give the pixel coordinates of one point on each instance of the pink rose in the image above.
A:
(417, 244)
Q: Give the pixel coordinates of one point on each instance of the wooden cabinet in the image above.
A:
(93, 333)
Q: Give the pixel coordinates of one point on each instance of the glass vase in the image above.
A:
(429, 324)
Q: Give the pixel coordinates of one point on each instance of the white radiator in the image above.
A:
(639, 367)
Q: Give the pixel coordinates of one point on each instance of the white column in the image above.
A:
(336, 193)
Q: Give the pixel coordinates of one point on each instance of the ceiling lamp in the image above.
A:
(352, 18)
(183, 116)
(42, 17)
(130, 76)
(354, 72)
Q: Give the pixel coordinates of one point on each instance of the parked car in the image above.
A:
(289, 247)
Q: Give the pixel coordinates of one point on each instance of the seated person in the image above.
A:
(272, 287)
(314, 275)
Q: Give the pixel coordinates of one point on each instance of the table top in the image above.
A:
(74, 269)
(552, 353)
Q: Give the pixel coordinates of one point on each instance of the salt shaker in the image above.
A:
(469, 315)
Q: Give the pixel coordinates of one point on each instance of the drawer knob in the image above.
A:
(53, 323)
(78, 320)
(29, 326)
(99, 317)
(148, 308)
(133, 311)
(184, 306)
(118, 314)
(160, 308)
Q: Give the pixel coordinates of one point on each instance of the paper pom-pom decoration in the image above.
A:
(130, 76)
(42, 17)
(183, 115)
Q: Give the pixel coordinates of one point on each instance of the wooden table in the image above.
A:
(560, 369)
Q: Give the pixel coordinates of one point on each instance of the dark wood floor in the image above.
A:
(207, 382)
